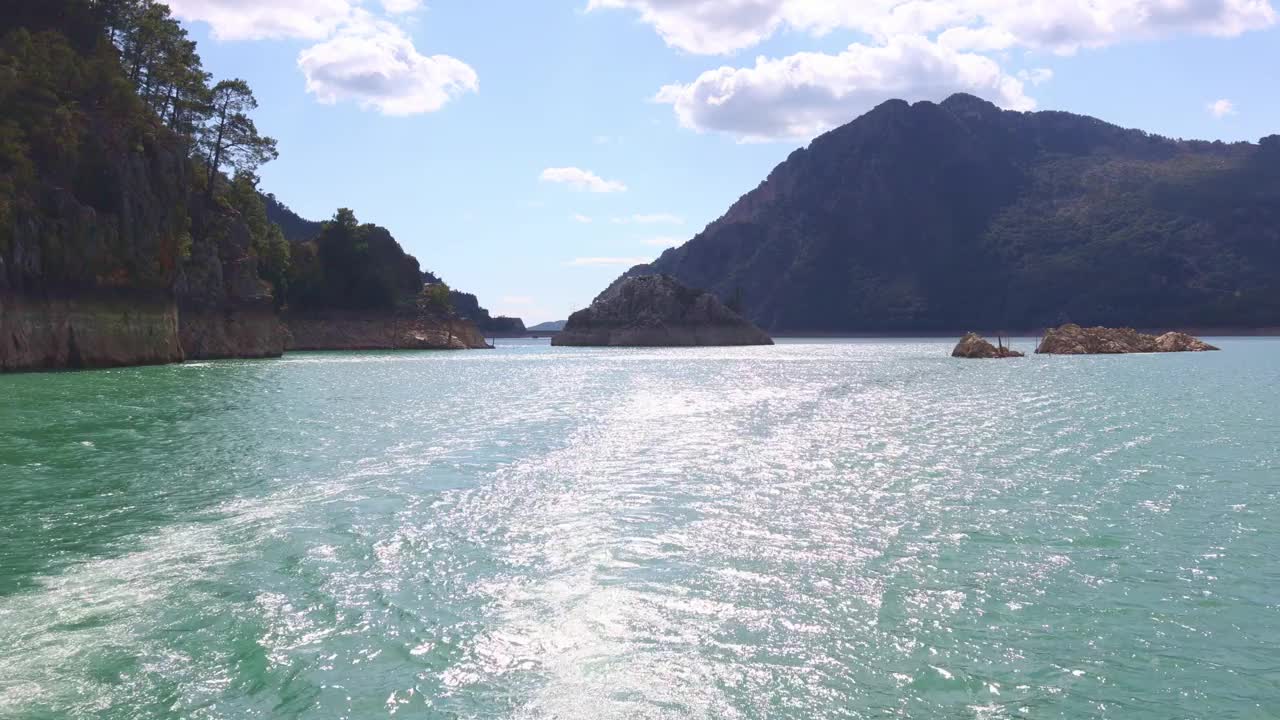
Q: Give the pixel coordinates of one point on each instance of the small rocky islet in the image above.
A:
(975, 347)
(657, 311)
(1072, 339)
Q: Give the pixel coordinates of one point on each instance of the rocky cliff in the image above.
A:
(1072, 339)
(657, 311)
(937, 216)
(225, 309)
(109, 256)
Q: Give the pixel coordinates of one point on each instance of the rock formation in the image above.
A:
(975, 347)
(1071, 339)
(363, 330)
(657, 311)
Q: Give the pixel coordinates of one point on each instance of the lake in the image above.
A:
(821, 529)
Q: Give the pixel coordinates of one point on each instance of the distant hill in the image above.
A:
(553, 326)
(943, 217)
(296, 228)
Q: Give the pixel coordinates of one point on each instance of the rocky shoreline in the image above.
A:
(351, 330)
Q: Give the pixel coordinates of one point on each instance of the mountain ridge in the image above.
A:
(937, 216)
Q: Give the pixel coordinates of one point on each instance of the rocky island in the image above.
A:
(657, 311)
(1072, 339)
(975, 347)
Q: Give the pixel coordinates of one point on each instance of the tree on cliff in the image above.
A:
(231, 138)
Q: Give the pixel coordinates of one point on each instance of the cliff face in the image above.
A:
(225, 310)
(365, 330)
(657, 311)
(939, 216)
(92, 215)
(109, 256)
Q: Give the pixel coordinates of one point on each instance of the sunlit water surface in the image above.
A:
(814, 530)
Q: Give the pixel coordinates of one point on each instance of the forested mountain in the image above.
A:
(121, 240)
(132, 228)
(942, 217)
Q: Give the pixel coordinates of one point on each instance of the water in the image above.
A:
(815, 530)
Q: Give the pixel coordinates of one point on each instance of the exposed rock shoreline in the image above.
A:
(657, 311)
(1072, 339)
(351, 330)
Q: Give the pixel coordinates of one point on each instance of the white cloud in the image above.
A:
(256, 19)
(580, 179)
(594, 261)
(582, 219)
(805, 94)
(1221, 108)
(1036, 76)
(375, 64)
(396, 7)
(1064, 26)
(650, 219)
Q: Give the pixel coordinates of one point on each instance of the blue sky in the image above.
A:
(529, 151)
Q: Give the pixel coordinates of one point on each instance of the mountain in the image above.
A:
(552, 326)
(295, 227)
(938, 217)
(467, 306)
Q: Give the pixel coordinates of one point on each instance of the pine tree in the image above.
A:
(230, 138)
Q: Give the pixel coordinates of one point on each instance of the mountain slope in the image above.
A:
(939, 217)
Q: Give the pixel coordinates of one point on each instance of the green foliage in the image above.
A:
(87, 86)
(231, 138)
(437, 298)
(352, 266)
(268, 243)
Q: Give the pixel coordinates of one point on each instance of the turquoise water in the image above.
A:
(814, 530)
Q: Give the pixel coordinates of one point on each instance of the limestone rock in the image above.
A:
(975, 347)
(657, 311)
(1071, 339)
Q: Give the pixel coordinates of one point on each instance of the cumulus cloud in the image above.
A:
(374, 63)
(581, 219)
(580, 179)
(724, 26)
(805, 94)
(1036, 76)
(650, 219)
(396, 7)
(595, 261)
(257, 20)
(1221, 108)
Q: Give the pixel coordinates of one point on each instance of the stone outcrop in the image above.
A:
(87, 331)
(371, 330)
(657, 311)
(975, 347)
(1072, 339)
(225, 310)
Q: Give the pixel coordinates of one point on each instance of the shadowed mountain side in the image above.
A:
(937, 217)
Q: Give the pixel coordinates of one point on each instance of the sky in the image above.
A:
(529, 151)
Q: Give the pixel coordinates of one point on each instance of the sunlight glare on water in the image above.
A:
(814, 530)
